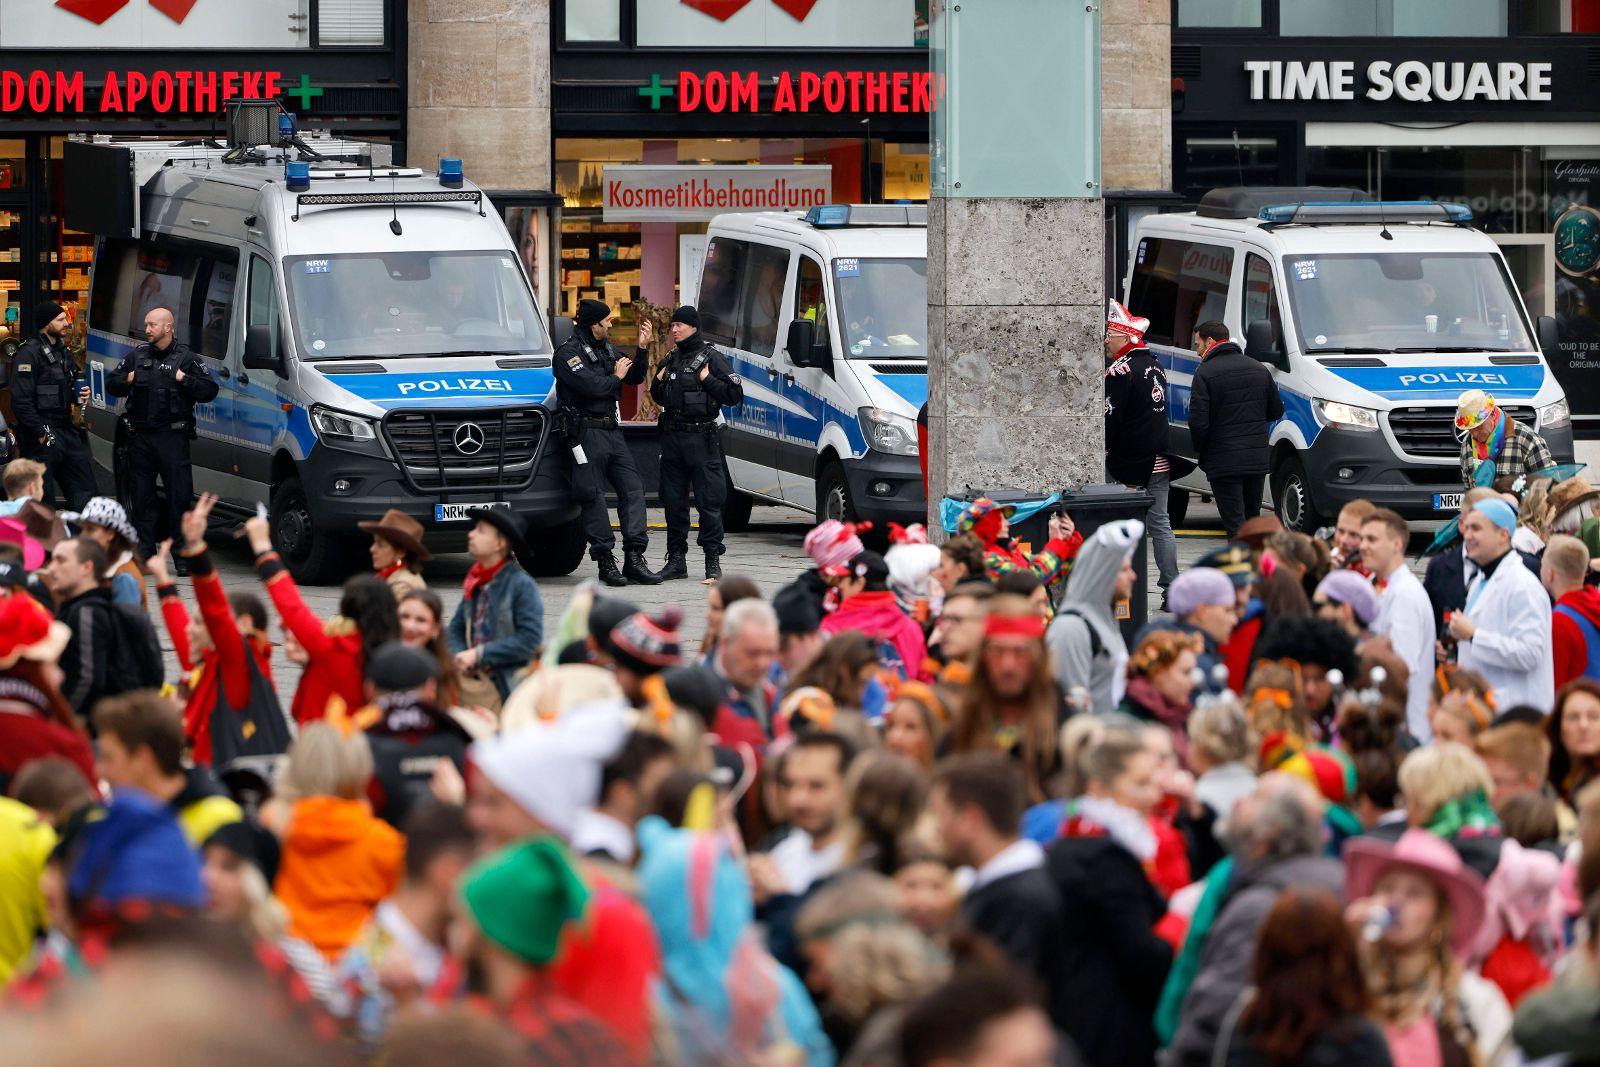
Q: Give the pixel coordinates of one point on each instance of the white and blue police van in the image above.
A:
(1374, 317)
(825, 316)
(372, 329)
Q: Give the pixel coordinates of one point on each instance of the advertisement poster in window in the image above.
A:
(1574, 193)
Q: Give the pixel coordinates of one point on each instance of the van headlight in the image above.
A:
(1557, 414)
(1347, 416)
(888, 432)
(341, 429)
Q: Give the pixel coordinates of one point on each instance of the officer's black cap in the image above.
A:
(592, 311)
(46, 311)
(687, 315)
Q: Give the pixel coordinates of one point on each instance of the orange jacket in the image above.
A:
(339, 861)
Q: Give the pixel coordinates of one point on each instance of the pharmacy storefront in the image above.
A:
(667, 113)
(166, 68)
(1502, 121)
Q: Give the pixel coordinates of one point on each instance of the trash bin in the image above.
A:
(1091, 507)
(1031, 529)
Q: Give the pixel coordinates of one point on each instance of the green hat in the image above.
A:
(522, 896)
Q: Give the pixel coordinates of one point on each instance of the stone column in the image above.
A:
(480, 89)
(1136, 94)
(1015, 313)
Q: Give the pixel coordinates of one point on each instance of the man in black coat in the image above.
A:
(590, 373)
(977, 803)
(44, 388)
(1232, 407)
(1136, 429)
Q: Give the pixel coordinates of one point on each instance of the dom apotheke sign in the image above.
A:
(1410, 80)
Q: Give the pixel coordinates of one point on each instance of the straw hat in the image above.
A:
(1570, 493)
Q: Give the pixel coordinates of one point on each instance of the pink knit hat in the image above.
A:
(832, 543)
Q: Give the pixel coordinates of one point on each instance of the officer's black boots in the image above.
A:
(608, 570)
(677, 567)
(713, 567)
(637, 571)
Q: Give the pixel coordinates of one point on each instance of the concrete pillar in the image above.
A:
(1015, 312)
(480, 89)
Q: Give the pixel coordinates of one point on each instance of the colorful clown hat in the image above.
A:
(1120, 320)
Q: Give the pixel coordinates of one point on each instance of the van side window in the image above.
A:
(1261, 297)
(210, 311)
(768, 269)
(719, 290)
(195, 282)
(810, 296)
(1178, 285)
(263, 309)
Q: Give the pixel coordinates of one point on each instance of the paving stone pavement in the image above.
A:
(770, 552)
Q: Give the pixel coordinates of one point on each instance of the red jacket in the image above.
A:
(1239, 650)
(223, 663)
(609, 962)
(1572, 651)
(336, 664)
(878, 615)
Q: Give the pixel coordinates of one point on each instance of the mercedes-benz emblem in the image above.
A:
(469, 439)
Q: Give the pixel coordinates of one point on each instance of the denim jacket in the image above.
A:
(513, 631)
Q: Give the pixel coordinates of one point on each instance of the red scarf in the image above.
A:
(391, 569)
(481, 575)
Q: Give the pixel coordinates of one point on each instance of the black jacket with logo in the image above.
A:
(1232, 407)
(156, 399)
(585, 378)
(1136, 416)
(43, 387)
(683, 393)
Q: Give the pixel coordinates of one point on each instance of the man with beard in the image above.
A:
(44, 388)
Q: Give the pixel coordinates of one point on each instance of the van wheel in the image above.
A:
(1292, 497)
(1177, 506)
(556, 551)
(833, 495)
(736, 508)
(314, 557)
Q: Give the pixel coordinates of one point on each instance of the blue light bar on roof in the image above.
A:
(829, 215)
(451, 174)
(297, 176)
(1324, 212)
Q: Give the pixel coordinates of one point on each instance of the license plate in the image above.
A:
(1447, 502)
(458, 512)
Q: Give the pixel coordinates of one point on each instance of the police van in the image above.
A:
(1374, 317)
(371, 326)
(825, 317)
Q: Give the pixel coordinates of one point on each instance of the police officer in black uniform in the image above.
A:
(163, 381)
(590, 374)
(44, 387)
(693, 385)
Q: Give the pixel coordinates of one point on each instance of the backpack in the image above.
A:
(1591, 640)
(135, 661)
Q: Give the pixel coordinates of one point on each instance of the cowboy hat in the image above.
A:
(43, 524)
(1366, 858)
(105, 512)
(12, 531)
(1570, 493)
(1254, 532)
(400, 530)
(509, 525)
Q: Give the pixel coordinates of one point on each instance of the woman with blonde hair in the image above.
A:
(1446, 788)
(339, 859)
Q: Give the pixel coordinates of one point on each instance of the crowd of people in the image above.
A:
(926, 804)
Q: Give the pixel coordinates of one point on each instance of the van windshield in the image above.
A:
(396, 304)
(1405, 302)
(884, 305)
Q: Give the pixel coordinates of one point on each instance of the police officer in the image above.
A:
(693, 385)
(43, 390)
(163, 381)
(590, 374)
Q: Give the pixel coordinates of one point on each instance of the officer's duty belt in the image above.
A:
(669, 422)
(593, 423)
(159, 427)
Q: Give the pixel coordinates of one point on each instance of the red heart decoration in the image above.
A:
(721, 10)
(176, 10)
(96, 11)
(797, 9)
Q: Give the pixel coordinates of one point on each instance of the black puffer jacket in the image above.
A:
(1136, 416)
(1233, 404)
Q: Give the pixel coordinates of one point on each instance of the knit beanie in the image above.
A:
(523, 896)
(646, 644)
(46, 312)
(592, 311)
(687, 315)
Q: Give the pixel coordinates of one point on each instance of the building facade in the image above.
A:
(1488, 103)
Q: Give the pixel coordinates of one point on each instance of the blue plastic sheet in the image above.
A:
(950, 510)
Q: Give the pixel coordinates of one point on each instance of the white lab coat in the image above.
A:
(1512, 649)
(1405, 617)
